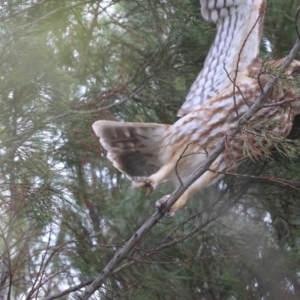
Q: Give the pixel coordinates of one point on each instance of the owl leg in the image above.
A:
(205, 180)
(143, 183)
(152, 182)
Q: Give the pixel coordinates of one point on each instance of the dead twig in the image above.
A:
(238, 62)
(284, 182)
(279, 103)
(182, 155)
(296, 22)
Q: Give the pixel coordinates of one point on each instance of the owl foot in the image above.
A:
(143, 183)
(161, 203)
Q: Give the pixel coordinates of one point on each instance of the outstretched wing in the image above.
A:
(132, 147)
(235, 48)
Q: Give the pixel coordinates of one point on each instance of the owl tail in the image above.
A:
(132, 147)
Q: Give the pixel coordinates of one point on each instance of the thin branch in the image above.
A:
(51, 13)
(129, 287)
(70, 290)
(279, 103)
(238, 88)
(296, 21)
(134, 93)
(23, 10)
(120, 88)
(238, 62)
(283, 182)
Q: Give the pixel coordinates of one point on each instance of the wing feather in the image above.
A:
(235, 48)
(132, 147)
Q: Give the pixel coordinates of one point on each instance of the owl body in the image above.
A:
(228, 85)
(192, 137)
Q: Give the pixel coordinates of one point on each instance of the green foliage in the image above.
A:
(65, 210)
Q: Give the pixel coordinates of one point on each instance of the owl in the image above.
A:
(231, 80)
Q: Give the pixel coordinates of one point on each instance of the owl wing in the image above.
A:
(132, 147)
(234, 50)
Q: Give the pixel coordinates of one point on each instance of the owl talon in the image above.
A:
(143, 183)
(160, 205)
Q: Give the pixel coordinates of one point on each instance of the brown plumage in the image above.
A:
(149, 153)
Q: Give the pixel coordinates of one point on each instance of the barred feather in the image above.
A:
(132, 147)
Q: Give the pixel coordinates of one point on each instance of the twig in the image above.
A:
(70, 290)
(267, 178)
(296, 20)
(129, 287)
(120, 88)
(37, 282)
(51, 13)
(279, 103)
(238, 62)
(182, 155)
(134, 93)
(238, 88)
